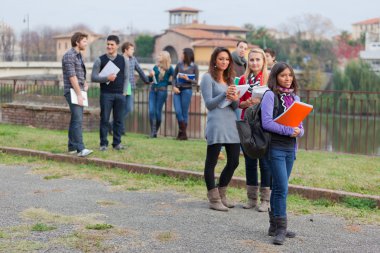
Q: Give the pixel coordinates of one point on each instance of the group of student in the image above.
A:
(218, 85)
(117, 90)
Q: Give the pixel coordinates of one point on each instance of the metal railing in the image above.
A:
(342, 121)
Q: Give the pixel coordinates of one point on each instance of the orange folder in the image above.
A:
(294, 115)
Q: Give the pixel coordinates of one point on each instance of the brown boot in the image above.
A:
(182, 127)
(222, 193)
(264, 199)
(215, 201)
(179, 136)
(252, 193)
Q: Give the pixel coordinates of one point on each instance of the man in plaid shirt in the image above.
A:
(74, 77)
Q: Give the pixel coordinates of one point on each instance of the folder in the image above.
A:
(240, 88)
(294, 115)
(74, 97)
(181, 80)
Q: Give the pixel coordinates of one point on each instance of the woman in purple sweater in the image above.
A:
(282, 83)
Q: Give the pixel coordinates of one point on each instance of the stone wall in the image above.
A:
(45, 116)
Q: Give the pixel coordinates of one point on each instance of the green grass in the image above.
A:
(102, 226)
(351, 173)
(41, 227)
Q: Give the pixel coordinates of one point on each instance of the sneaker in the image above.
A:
(85, 152)
(73, 152)
(103, 148)
(118, 147)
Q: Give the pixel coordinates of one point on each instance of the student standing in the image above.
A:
(74, 77)
(182, 88)
(161, 76)
(282, 151)
(256, 75)
(216, 86)
(111, 93)
(271, 57)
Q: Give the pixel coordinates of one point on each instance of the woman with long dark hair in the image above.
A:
(185, 76)
(282, 151)
(217, 86)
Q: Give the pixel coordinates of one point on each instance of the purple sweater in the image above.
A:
(269, 125)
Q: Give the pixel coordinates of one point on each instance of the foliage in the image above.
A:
(144, 46)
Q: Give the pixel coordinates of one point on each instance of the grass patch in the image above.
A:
(165, 236)
(53, 177)
(41, 227)
(102, 226)
(366, 204)
(313, 168)
(3, 235)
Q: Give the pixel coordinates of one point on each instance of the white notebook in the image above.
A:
(74, 97)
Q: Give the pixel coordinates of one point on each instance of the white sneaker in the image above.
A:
(73, 152)
(85, 152)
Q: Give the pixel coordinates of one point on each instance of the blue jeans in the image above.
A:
(251, 171)
(157, 100)
(129, 101)
(281, 166)
(181, 103)
(116, 103)
(75, 127)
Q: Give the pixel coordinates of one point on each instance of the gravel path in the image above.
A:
(165, 221)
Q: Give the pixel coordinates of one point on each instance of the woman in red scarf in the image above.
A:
(255, 75)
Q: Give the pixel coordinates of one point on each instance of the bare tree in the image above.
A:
(310, 26)
(7, 42)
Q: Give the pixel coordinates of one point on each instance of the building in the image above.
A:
(371, 54)
(370, 25)
(63, 43)
(185, 31)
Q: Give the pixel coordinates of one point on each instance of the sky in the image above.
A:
(152, 15)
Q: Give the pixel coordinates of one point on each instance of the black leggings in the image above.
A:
(233, 151)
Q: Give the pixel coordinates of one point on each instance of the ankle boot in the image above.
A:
(252, 193)
(281, 231)
(215, 201)
(273, 227)
(158, 124)
(222, 194)
(153, 130)
(264, 199)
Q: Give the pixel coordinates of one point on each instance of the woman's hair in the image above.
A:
(188, 56)
(229, 73)
(264, 69)
(276, 70)
(165, 60)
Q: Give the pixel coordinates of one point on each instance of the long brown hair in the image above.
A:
(276, 70)
(264, 69)
(229, 73)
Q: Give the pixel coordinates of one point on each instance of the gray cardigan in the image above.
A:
(221, 125)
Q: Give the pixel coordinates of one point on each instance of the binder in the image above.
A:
(181, 80)
(295, 114)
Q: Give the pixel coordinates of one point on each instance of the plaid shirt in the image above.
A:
(72, 65)
(134, 65)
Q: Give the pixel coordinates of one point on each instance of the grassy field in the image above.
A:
(352, 173)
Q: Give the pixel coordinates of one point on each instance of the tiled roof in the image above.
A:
(188, 9)
(213, 27)
(230, 42)
(368, 21)
(68, 35)
(196, 34)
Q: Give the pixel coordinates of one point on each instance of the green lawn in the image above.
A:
(352, 173)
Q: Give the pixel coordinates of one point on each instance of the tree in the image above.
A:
(144, 46)
(7, 42)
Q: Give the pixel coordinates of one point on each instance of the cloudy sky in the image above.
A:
(151, 15)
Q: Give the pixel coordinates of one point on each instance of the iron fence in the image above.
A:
(342, 121)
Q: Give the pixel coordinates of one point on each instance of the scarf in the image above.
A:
(238, 60)
(286, 97)
(254, 80)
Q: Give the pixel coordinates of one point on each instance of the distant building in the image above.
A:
(370, 25)
(63, 43)
(371, 54)
(185, 32)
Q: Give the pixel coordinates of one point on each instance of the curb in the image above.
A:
(238, 182)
